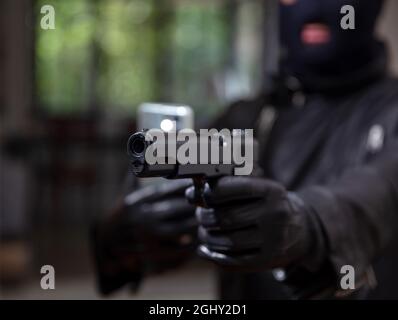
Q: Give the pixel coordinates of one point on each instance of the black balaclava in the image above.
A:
(345, 52)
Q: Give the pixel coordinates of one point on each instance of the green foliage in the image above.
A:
(201, 49)
(125, 39)
(115, 54)
(62, 56)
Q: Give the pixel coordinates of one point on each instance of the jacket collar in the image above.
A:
(345, 83)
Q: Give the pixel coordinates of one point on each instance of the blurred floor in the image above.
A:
(195, 281)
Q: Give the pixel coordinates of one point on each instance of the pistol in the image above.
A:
(215, 155)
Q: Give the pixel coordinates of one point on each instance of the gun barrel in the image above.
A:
(136, 149)
(167, 165)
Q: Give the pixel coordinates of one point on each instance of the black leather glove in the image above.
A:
(152, 230)
(255, 224)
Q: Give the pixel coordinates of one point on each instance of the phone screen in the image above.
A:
(167, 117)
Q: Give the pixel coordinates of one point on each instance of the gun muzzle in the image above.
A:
(137, 146)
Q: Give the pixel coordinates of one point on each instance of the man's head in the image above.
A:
(314, 40)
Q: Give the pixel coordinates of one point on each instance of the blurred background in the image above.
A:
(68, 99)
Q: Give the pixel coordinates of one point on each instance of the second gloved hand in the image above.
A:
(152, 230)
(255, 224)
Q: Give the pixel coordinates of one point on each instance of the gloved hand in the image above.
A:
(255, 224)
(152, 230)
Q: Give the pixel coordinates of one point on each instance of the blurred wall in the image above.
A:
(15, 111)
(389, 29)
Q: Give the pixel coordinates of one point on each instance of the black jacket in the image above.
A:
(338, 148)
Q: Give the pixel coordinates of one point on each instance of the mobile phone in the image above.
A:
(167, 117)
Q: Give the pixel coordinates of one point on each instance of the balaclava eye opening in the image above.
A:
(344, 52)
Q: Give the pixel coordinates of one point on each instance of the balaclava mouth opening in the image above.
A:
(344, 52)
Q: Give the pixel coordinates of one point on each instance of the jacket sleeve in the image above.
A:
(359, 211)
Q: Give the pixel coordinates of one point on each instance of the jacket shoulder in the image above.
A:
(382, 101)
(241, 114)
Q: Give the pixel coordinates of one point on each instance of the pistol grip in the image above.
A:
(199, 185)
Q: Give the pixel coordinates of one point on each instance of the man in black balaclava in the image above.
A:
(316, 46)
(328, 199)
